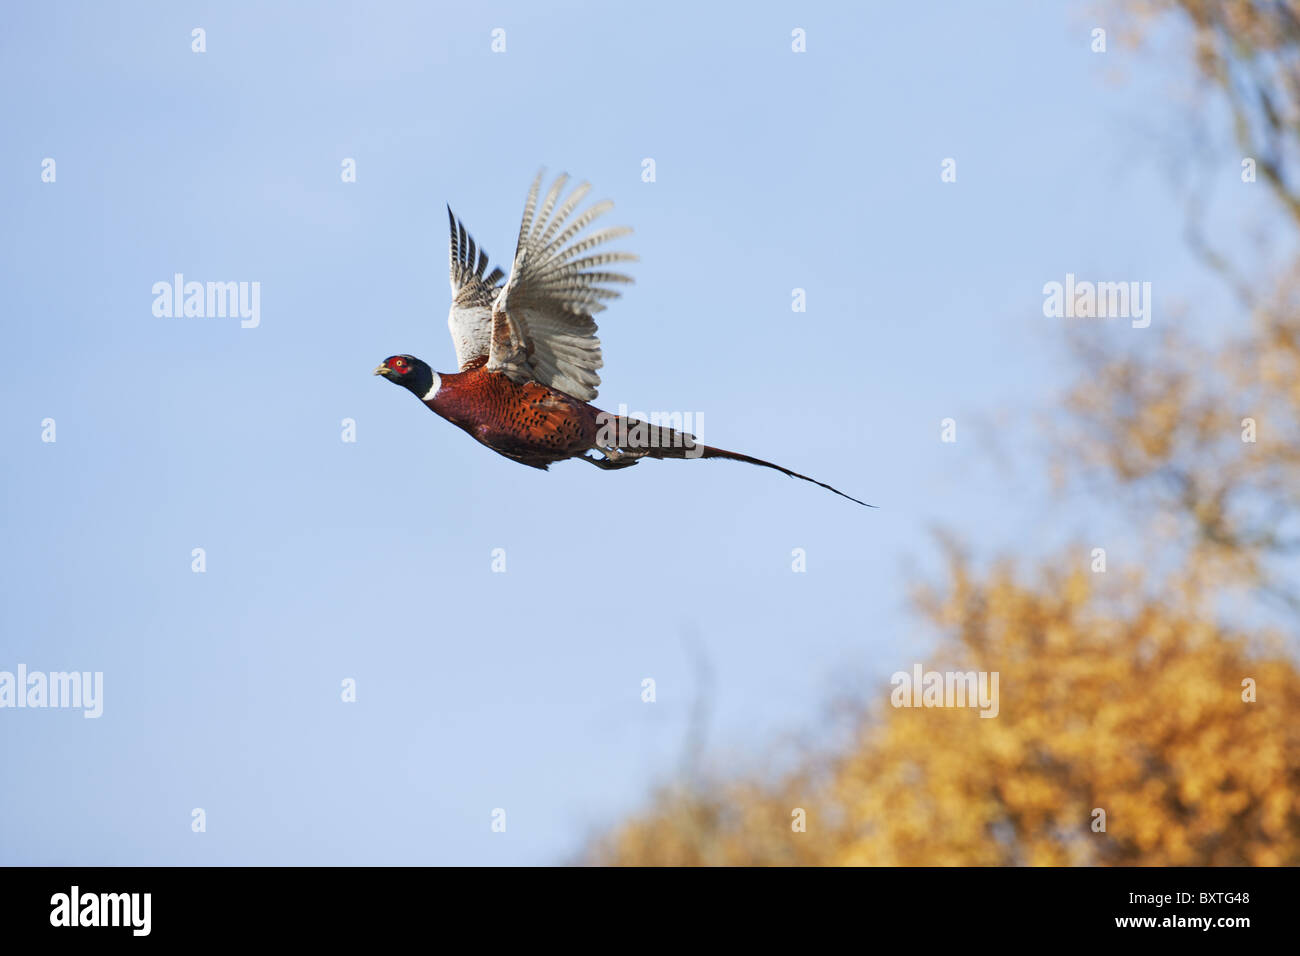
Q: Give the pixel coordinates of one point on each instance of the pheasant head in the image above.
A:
(412, 374)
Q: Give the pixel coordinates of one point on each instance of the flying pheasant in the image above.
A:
(528, 352)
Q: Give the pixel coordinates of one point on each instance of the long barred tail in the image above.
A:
(658, 441)
(711, 452)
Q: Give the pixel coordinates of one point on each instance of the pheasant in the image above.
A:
(527, 350)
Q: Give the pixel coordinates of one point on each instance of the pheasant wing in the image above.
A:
(473, 290)
(542, 325)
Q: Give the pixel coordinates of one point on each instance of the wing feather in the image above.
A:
(542, 325)
(473, 290)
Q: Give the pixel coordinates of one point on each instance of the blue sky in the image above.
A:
(372, 560)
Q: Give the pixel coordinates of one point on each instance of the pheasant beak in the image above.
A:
(382, 370)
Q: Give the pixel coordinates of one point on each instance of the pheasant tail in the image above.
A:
(637, 439)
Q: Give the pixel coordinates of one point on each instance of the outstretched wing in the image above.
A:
(542, 326)
(472, 294)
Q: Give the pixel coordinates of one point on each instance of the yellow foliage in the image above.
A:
(1140, 716)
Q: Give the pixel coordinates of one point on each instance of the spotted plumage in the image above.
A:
(527, 350)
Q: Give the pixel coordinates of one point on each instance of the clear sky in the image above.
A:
(372, 560)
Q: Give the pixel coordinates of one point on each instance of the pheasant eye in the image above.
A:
(398, 363)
